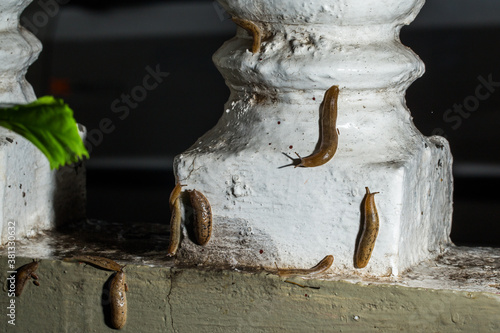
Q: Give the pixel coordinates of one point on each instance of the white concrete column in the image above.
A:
(32, 197)
(295, 216)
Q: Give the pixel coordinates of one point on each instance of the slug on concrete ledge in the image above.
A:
(202, 217)
(253, 29)
(370, 231)
(118, 300)
(175, 220)
(329, 137)
(98, 261)
(321, 267)
(24, 273)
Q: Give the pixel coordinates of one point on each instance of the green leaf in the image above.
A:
(49, 124)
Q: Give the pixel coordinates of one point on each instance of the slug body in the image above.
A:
(329, 137)
(175, 220)
(253, 29)
(202, 217)
(370, 231)
(321, 267)
(175, 229)
(98, 261)
(176, 192)
(24, 273)
(118, 300)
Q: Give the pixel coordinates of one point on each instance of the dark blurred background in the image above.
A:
(97, 54)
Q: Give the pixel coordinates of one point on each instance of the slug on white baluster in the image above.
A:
(329, 136)
(253, 29)
(97, 261)
(24, 273)
(202, 217)
(370, 231)
(175, 220)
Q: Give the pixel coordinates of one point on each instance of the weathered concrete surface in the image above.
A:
(70, 298)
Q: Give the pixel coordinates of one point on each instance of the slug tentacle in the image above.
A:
(253, 29)
(321, 267)
(328, 136)
(370, 231)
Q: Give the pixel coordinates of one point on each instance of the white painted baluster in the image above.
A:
(32, 197)
(19, 49)
(295, 216)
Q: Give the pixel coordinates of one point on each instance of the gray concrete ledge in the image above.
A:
(458, 293)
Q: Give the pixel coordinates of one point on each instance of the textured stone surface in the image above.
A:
(267, 212)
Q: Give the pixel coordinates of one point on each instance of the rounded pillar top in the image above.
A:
(18, 49)
(338, 12)
(306, 45)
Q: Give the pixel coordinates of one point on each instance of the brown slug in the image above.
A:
(175, 194)
(329, 137)
(24, 273)
(118, 300)
(321, 267)
(175, 220)
(370, 231)
(97, 261)
(175, 229)
(253, 29)
(202, 217)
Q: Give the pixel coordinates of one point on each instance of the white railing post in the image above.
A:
(295, 216)
(32, 197)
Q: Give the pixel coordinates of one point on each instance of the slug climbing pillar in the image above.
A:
(32, 197)
(266, 212)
